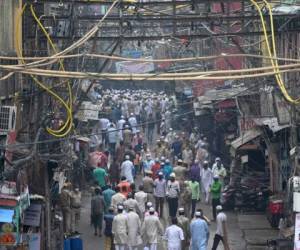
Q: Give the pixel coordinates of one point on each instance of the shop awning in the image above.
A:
(271, 122)
(246, 137)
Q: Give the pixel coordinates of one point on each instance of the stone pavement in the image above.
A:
(92, 242)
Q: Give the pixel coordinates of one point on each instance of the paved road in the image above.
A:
(92, 242)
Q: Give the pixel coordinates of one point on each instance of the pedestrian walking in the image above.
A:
(167, 169)
(184, 224)
(75, 206)
(221, 233)
(206, 181)
(195, 189)
(155, 169)
(174, 235)
(112, 136)
(65, 203)
(141, 198)
(219, 170)
(150, 128)
(215, 190)
(147, 163)
(97, 210)
(108, 236)
(124, 186)
(120, 229)
(120, 152)
(199, 233)
(117, 198)
(160, 193)
(173, 191)
(100, 175)
(149, 186)
(151, 230)
(127, 168)
(107, 195)
(114, 172)
(186, 198)
(131, 204)
(134, 229)
(195, 172)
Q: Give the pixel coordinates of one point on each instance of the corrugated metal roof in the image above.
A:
(246, 137)
(221, 94)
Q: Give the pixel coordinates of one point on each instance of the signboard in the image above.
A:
(246, 124)
(88, 111)
(297, 232)
(130, 67)
(32, 215)
(132, 53)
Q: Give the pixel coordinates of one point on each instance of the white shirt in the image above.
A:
(221, 217)
(137, 109)
(104, 122)
(120, 123)
(133, 123)
(174, 236)
(112, 135)
(141, 198)
(126, 170)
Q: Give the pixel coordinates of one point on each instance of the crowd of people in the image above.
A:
(145, 190)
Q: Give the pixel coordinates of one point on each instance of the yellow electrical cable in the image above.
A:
(69, 111)
(57, 73)
(19, 53)
(273, 61)
(75, 74)
(294, 101)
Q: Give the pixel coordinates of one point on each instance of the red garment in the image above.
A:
(98, 159)
(155, 170)
(125, 188)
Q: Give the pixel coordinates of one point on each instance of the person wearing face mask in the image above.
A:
(160, 193)
(173, 191)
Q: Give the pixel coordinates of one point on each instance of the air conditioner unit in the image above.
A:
(7, 119)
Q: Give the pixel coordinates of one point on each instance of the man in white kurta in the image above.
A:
(206, 180)
(134, 230)
(126, 169)
(133, 123)
(132, 204)
(141, 198)
(151, 230)
(174, 236)
(120, 229)
(120, 124)
(117, 199)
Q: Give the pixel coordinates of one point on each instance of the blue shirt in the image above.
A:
(108, 218)
(107, 194)
(176, 146)
(199, 234)
(167, 170)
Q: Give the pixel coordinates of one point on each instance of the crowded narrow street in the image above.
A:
(149, 125)
(92, 242)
